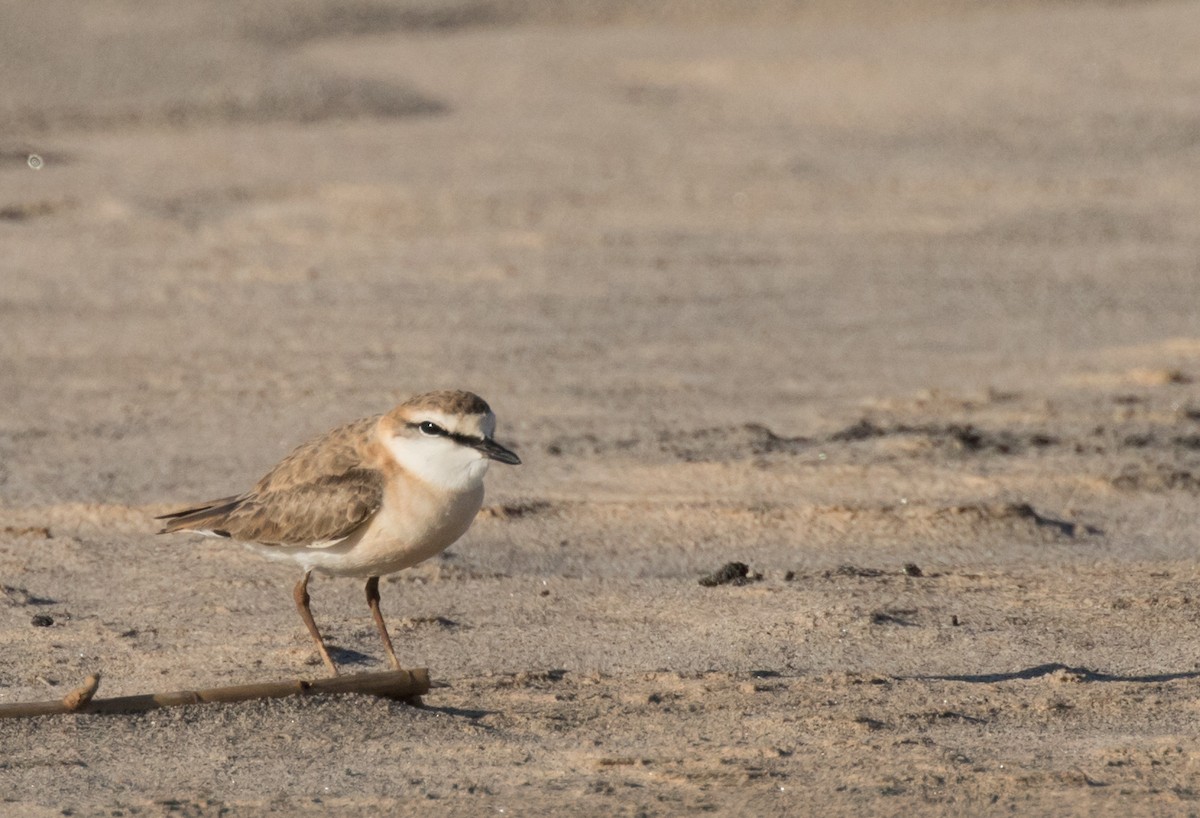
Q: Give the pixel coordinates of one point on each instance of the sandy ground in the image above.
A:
(900, 309)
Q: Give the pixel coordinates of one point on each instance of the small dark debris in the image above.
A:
(968, 437)
(765, 441)
(913, 570)
(1160, 477)
(1064, 527)
(40, 531)
(440, 621)
(727, 442)
(894, 617)
(789, 576)
(732, 573)
(544, 592)
(870, 723)
(952, 714)
(586, 444)
(27, 210)
(21, 596)
(848, 570)
(974, 440)
(515, 511)
(863, 430)
(954, 620)
(42, 621)
(722, 443)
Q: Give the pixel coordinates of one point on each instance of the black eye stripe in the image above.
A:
(428, 427)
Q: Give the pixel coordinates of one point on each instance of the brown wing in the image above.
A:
(319, 493)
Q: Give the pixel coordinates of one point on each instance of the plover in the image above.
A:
(366, 499)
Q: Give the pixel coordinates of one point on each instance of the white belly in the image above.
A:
(405, 531)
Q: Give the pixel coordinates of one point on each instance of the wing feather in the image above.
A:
(317, 495)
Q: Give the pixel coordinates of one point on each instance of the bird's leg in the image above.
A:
(373, 603)
(300, 593)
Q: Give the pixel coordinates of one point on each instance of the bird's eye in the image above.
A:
(430, 428)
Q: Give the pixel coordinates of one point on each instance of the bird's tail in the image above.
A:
(207, 518)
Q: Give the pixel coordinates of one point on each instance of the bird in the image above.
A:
(369, 498)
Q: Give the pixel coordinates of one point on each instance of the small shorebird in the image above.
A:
(365, 499)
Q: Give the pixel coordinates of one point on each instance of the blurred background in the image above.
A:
(257, 217)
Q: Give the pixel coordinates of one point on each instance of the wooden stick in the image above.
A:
(392, 684)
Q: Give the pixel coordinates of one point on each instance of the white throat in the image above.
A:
(440, 461)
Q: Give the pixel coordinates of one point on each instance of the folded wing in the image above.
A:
(318, 495)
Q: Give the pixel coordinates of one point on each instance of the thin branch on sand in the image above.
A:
(392, 684)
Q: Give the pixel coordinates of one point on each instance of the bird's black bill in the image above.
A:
(495, 451)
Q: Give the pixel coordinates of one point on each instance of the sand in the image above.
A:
(898, 308)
